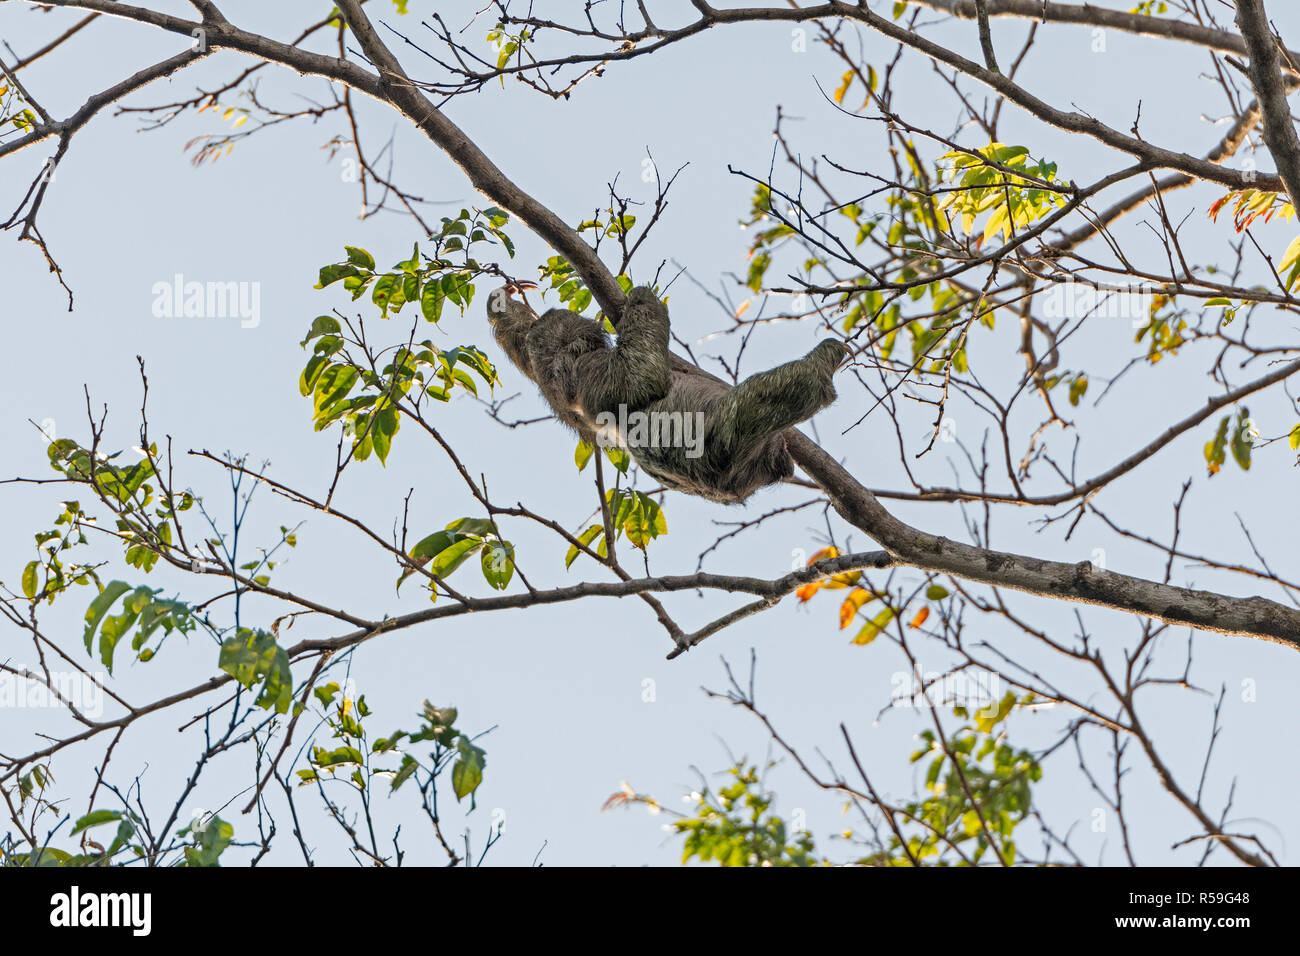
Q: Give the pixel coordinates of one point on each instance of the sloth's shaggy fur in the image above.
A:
(582, 376)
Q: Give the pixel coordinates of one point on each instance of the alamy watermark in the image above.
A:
(1079, 300)
(633, 429)
(179, 299)
(81, 691)
(970, 688)
(76, 908)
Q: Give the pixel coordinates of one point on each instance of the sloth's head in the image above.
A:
(504, 310)
(511, 319)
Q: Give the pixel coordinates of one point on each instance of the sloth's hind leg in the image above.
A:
(772, 401)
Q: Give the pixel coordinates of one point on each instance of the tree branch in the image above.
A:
(1266, 78)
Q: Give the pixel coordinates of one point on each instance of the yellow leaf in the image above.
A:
(845, 81)
(1289, 265)
(852, 604)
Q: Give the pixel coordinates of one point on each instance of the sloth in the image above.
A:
(686, 429)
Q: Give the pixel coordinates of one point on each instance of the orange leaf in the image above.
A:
(806, 592)
(921, 615)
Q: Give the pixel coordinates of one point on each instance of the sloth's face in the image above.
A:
(501, 305)
(498, 304)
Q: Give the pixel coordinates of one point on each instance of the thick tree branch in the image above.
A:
(1088, 15)
(1082, 582)
(1149, 154)
(1271, 89)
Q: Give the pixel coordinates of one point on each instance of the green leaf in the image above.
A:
(498, 562)
(114, 628)
(467, 774)
(757, 269)
(307, 380)
(322, 325)
(385, 427)
(100, 605)
(94, 819)
(359, 257)
(250, 656)
(209, 844)
(431, 300)
(451, 288)
(874, 628)
(408, 767)
(433, 545)
(383, 291)
(619, 458)
(332, 386)
(453, 557)
(1242, 442)
(331, 274)
(29, 579)
(645, 522)
(586, 538)
(474, 526)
